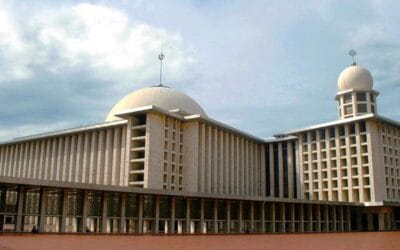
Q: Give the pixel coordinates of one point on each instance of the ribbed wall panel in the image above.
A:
(228, 164)
(96, 156)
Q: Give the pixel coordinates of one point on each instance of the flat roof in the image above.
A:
(339, 122)
(65, 131)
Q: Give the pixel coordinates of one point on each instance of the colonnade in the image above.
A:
(71, 210)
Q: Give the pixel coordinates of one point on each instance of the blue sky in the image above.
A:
(261, 66)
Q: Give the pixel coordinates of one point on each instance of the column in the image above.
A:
(2, 205)
(252, 216)
(215, 216)
(301, 218)
(228, 217)
(157, 214)
(140, 214)
(42, 210)
(172, 223)
(262, 219)
(359, 221)
(341, 219)
(381, 221)
(334, 219)
(84, 210)
(348, 215)
(187, 224)
(292, 215)
(202, 216)
(319, 218)
(122, 224)
(240, 216)
(326, 217)
(64, 211)
(283, 217)
(273, 219)
(20, 208)
(104, 219)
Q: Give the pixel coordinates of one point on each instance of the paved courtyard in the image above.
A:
(325, 241)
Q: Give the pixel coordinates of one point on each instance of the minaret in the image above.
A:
(355, 95)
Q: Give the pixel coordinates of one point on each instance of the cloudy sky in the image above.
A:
(261, 66)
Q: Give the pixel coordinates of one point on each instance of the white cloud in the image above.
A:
(12, 49)
(101, 40)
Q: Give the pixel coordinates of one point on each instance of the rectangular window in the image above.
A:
(352, 128)
(372, 98)
(362, 126)
(348, 110)
(305, 138)
(372, 109)
(322, 134)
(347, 98)
(361, 97)
(332, 133)
(341, 130)
(362, 108)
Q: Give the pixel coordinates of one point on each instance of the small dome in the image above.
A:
(159, 96)
(355, 77)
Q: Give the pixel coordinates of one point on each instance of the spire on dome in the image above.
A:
(353, 53)
(161, 57)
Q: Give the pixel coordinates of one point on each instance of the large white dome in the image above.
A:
(159, 96)
(355, 77)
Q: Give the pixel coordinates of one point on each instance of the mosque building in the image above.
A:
(160, 164)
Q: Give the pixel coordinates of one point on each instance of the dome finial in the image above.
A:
(161, 57)
(353, 53)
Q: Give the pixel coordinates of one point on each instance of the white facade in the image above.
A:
(157, 140)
